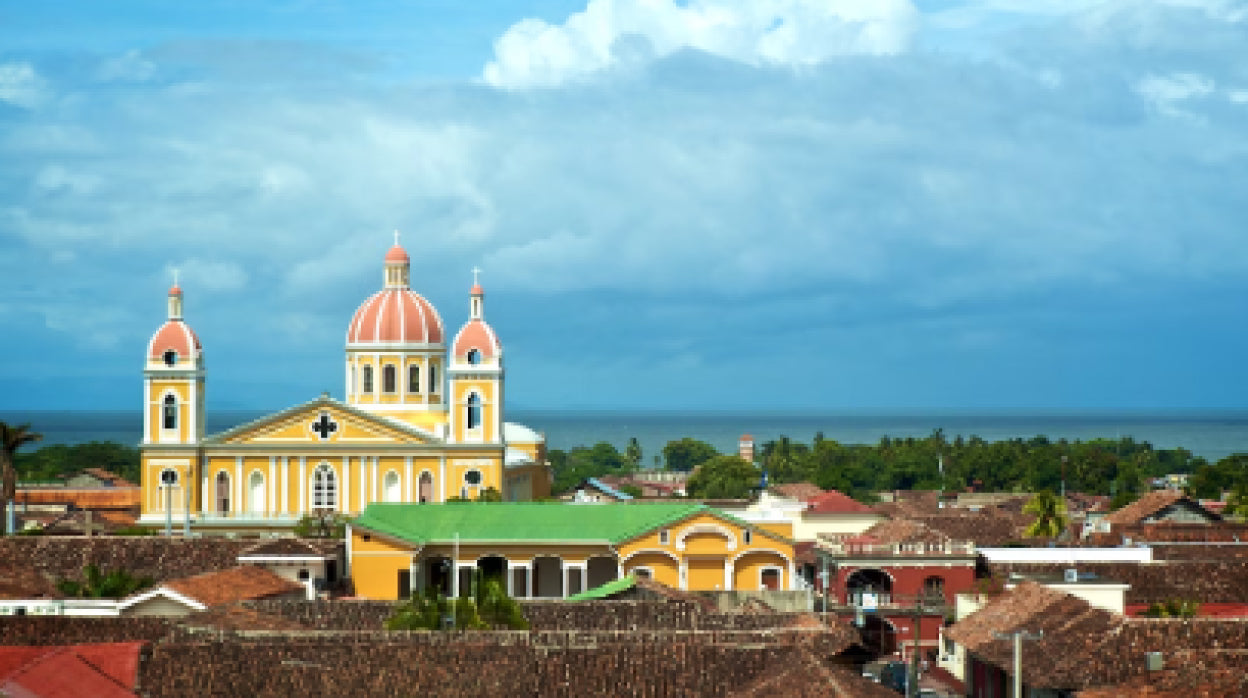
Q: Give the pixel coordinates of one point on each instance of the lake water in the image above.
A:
(1212, 436)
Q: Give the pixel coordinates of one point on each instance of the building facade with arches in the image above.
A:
(554, 550)
(422, 422)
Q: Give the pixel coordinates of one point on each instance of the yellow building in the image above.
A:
(420, 424)
(554, 550)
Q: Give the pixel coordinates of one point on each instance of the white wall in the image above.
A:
(1067, 556)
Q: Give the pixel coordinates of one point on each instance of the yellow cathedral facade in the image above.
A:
(422, 422)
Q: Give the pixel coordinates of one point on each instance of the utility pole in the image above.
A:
(1019, 636)
(912, 683)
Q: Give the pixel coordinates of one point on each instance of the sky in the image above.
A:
(821, 206)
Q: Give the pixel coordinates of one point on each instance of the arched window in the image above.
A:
(255, 492)
(433, 378)
(390, 487)
(223, 492)
(474, 357)
(324, 487)
(170, 413)
(426, 487)
(366, 375)
(934, 589)
(474, 411)
(171, 357)
(413, 379)
(388, 382)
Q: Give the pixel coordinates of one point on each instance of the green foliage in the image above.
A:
(687, 454)
(724, 477)
(12, 438)
(1173, 608)
(95, 584)
(630, 490)
(1208, 481)
(59, 461)
(1050, 513)
(322, 523)
(632, 453)
(571, 467)
(490, 494)
(488, 607)
(134, 531)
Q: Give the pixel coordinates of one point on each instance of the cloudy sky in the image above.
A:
(823, 205)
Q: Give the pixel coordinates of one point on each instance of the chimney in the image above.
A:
(745, 448)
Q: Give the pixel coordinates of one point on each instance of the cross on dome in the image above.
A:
(396, 236)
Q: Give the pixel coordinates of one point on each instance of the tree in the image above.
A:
(687, 454)
(490, 494)
(1050, 513)
(489, 606)
(632, 453)
(11, 439)
(724, 477)
(322, 523)
(95, 584)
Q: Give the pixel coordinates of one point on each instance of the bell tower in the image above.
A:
(476, 376)
(173, 381)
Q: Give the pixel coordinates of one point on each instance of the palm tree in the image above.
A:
(11, 439)
(1050, 513)
(95, 584)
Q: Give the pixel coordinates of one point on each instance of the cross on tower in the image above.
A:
(324, 426)
(396, 238)
(475, 273)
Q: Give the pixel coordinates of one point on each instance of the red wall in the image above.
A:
(908, 580)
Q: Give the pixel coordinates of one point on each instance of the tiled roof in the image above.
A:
(902, 531)
(101, 671)
(25, 583)
(1186, 674)
(108, 476)
(237, 617)
(805, 676)
(988, 527)
(1150, 504)
(242, 583)
(1224, 581)
(833, 502)
(801, 491)
(291, 547)
(530, 521)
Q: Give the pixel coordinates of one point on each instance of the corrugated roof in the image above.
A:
(521, 521)
(532, 521)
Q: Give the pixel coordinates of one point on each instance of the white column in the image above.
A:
(729, 566)
(511, 578)
(441, 478)
(283, 476)
(344, 495)
(147, 410)
(192, 400)
(239, 505)
(407, 479)
(363, 482)
(528, 579)
(302, 485)
(788, 583)
(372, 477)
(270, 498)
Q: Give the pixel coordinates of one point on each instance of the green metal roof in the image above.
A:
(614, 586)
(522, 521)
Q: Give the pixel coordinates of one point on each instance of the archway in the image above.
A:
(438, 574)
(869, 587)
(600, 570)
(493, 567)
(548, 577)
(878, 635)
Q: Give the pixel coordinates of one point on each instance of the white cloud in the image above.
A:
(615, 33)
(131, 66)
(21, 85)
(208, 275)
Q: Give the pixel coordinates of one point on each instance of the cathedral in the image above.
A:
(422, 422)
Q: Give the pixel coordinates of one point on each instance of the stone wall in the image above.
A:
(72, 630)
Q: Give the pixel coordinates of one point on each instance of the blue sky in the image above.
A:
(783, 205)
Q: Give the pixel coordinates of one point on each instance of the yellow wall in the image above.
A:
(375, 565)
(662, 568)
(156, 397)
(706, 543)
(488, 390)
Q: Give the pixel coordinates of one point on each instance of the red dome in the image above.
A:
(176, 336)
(397, 255)
(395, 316)
(476, 335)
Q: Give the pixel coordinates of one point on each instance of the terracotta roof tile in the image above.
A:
(101, 671)
(1149, 504)
(833, 502)
(242, 583)
(293, 547)
(801, 491)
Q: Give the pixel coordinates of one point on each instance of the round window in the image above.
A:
(473, 477)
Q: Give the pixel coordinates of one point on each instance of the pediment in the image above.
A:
(324, 422)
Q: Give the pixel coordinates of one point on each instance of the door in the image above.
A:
(405, 584)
